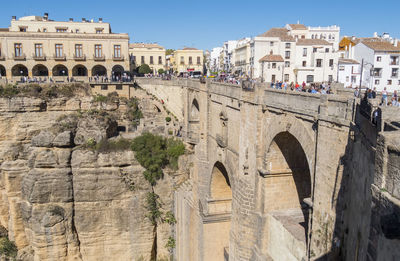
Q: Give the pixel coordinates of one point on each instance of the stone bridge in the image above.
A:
(267, 179)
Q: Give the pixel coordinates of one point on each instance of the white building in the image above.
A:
(215, 55)
(349, 73)
(382, 58)
(328, 33)
(227, 52)
(301, 58)
(241, 57)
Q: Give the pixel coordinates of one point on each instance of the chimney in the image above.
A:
(83, 19)
(100, 20)
(13, 18)
(46, 16)
(71, 19)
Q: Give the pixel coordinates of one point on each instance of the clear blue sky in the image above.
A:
(207, 24)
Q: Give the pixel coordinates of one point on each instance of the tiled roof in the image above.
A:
(348, 61)
(312, 42)
(362, 39)
(281, 33)
(298, 26)
(4, 30)
(144, 45)
(382, 46)
(271, 58)
(189, 48)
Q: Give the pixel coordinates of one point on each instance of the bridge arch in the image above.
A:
(60, 70)
(19, 70)
(2, 71)
(195, 110)
(220, 187)
(40, 70)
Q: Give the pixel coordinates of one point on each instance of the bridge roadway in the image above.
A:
(268, 170)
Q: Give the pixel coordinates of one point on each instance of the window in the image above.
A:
(287, 64)
(182, 60)
(198, 60)
(304, 63)
(18, 49)
(38, 50)
(347, 78)
(376, 81)
(151, 60)
(310, 78)
(353, 79)
(118, 87)
(104, 87)
(330, 62)
(287, 45)
(22, 29)
(134, 58)
(271, 43)
(273, 78)
(399, 82)
(286, 77)
(273, 65)
(190, 60)
(76, 30)
(59, 50)
(99, 31)
(330, 78)
(319, 62)
(395, 72)
(269, 65)
(117, 51)
(341, 68)
(98, 51)
(314, 50)
(379, 58)
(44, 30)
(287, 55)
(389, 82)
(304, 52)
(142, 60)
(61, 30)
(327, 50)
(159, 59)
(78, 50)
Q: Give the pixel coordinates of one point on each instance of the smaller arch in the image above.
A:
(3, 72)
(220, 184)
(117, 71)
(19, 70)
(99, 70)
(40, 70)
(60, 70)
(79, 70)
(195, 110)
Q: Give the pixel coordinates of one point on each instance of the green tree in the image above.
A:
(161, 71)
(169, 51)
(144, 68)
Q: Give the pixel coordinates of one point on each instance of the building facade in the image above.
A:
(349, 73)
(381, 58)
(188, 60)
(36, 46)
(148, 53)
(215, 59)
(241, 57)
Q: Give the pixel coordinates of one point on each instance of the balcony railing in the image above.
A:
(394, 62)
(395, 75)
(99, 58)
(2, 57)
(59, 57)
(79, 57)
(20, 57)
(118, 58)
(39, 57)
(377, 75)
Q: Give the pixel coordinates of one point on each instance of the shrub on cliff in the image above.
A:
(134, 114)
(9, 91)
(155, 152)
(8, 248)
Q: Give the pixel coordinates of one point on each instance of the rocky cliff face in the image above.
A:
(60, 200)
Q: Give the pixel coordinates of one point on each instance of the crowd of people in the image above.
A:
(322, 88)
(387, 99)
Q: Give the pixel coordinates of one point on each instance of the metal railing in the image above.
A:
(59, 57)
(39, 57)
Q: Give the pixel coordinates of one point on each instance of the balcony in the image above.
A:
(39, 57)
(79, 57)
(118, 58)
(394, 62)
(99, 58)
(21, 57)
(395, 75)
(59, 57)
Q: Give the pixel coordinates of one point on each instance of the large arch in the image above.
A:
(220, 187)
(40, 70)
(3, 72)
(195, 110)
(19, 70)
(79, 70)
(99, 70)
(117, 71)
(217, 229)
(60, 70)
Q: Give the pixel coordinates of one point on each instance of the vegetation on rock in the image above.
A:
(153, 206)
(134, 114)
(8, 248)
(43, 91)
